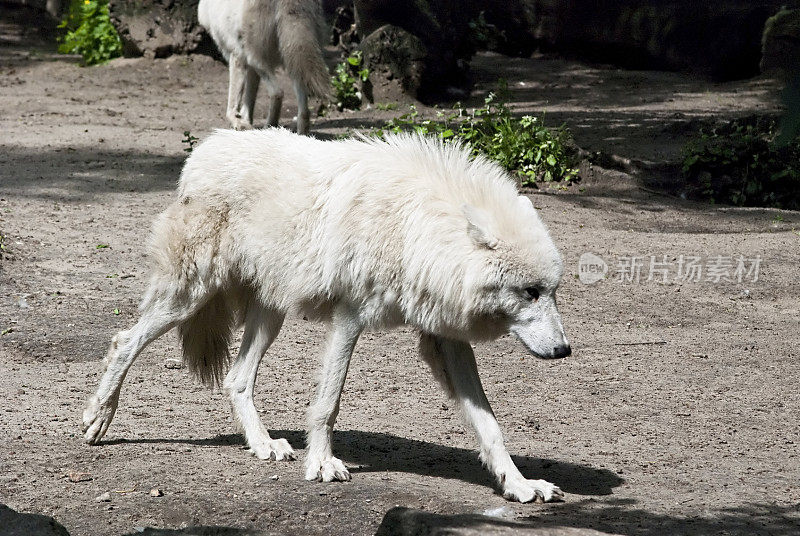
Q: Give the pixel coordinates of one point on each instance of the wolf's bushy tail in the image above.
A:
(205, 337)
(300, 36)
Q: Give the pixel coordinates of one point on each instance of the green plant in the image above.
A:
(89, 32)
(345, 82)
(523, 146)
(739, 163)
(484, 36)
(189, 140)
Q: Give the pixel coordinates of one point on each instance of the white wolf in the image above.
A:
(258, 36)
(363, 234)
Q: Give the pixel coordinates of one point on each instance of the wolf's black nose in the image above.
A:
(561, 351)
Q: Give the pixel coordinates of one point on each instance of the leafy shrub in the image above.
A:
(89, 32)
(523, 146)
(739, 164)
(347, 78)
(484, 36)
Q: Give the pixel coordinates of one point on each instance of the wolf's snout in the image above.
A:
(562, 351)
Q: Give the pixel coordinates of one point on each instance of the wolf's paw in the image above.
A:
(240, 124)
(523, 490)
(326, 469)
(272, 449)
(96, 419)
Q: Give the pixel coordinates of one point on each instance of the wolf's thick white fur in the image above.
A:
(258, 36)
(362, 234)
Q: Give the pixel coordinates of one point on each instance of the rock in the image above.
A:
(78, 476)
(395, 57)
(159, 28)
(103, 497)
(16, 524)
(440, 29)
(401, 521)
(155, 492)
(173, 364)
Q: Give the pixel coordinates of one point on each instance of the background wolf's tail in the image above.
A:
(300, 37)
(205, 337)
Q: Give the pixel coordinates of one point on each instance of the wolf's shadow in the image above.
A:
(365, 452)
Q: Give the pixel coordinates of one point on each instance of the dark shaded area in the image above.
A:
(13, 523)
(617, 517)
(608, 517)
(719, 38)
(367, 452)
(27, 35)
(80, 173)
(400, 521)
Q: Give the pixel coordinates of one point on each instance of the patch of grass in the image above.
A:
(387, 106)
(89, 32)
(740, 164)
(347, 79)
(523, 146)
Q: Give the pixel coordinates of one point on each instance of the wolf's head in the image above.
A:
(515, 283)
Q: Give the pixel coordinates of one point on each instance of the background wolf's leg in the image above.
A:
(237, 75)
(125, 346)
(261, 327)
(275, 99)
(453, 364)
(249, 92)
(320, 462)
(302, 109)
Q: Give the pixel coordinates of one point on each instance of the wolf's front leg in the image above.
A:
(453, 364)
(320, 463)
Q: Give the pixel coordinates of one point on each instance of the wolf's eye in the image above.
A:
(532, 293)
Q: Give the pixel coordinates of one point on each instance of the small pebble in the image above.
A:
(173, 364)
(155, 492)
(274, 477)
(104, 497)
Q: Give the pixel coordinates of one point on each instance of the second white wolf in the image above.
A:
(362, 234)
(258, 36)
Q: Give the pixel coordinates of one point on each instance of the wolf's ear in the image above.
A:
(478, 227)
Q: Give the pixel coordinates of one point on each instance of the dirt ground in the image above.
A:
(676, 414)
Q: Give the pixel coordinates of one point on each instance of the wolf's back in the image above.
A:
(300, 30)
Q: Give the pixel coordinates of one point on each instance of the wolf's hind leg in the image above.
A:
(453, 364)
(275, 93)
(320, 463)
(125, 346)
(261, 327)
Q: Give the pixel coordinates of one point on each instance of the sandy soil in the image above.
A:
(676, 414)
